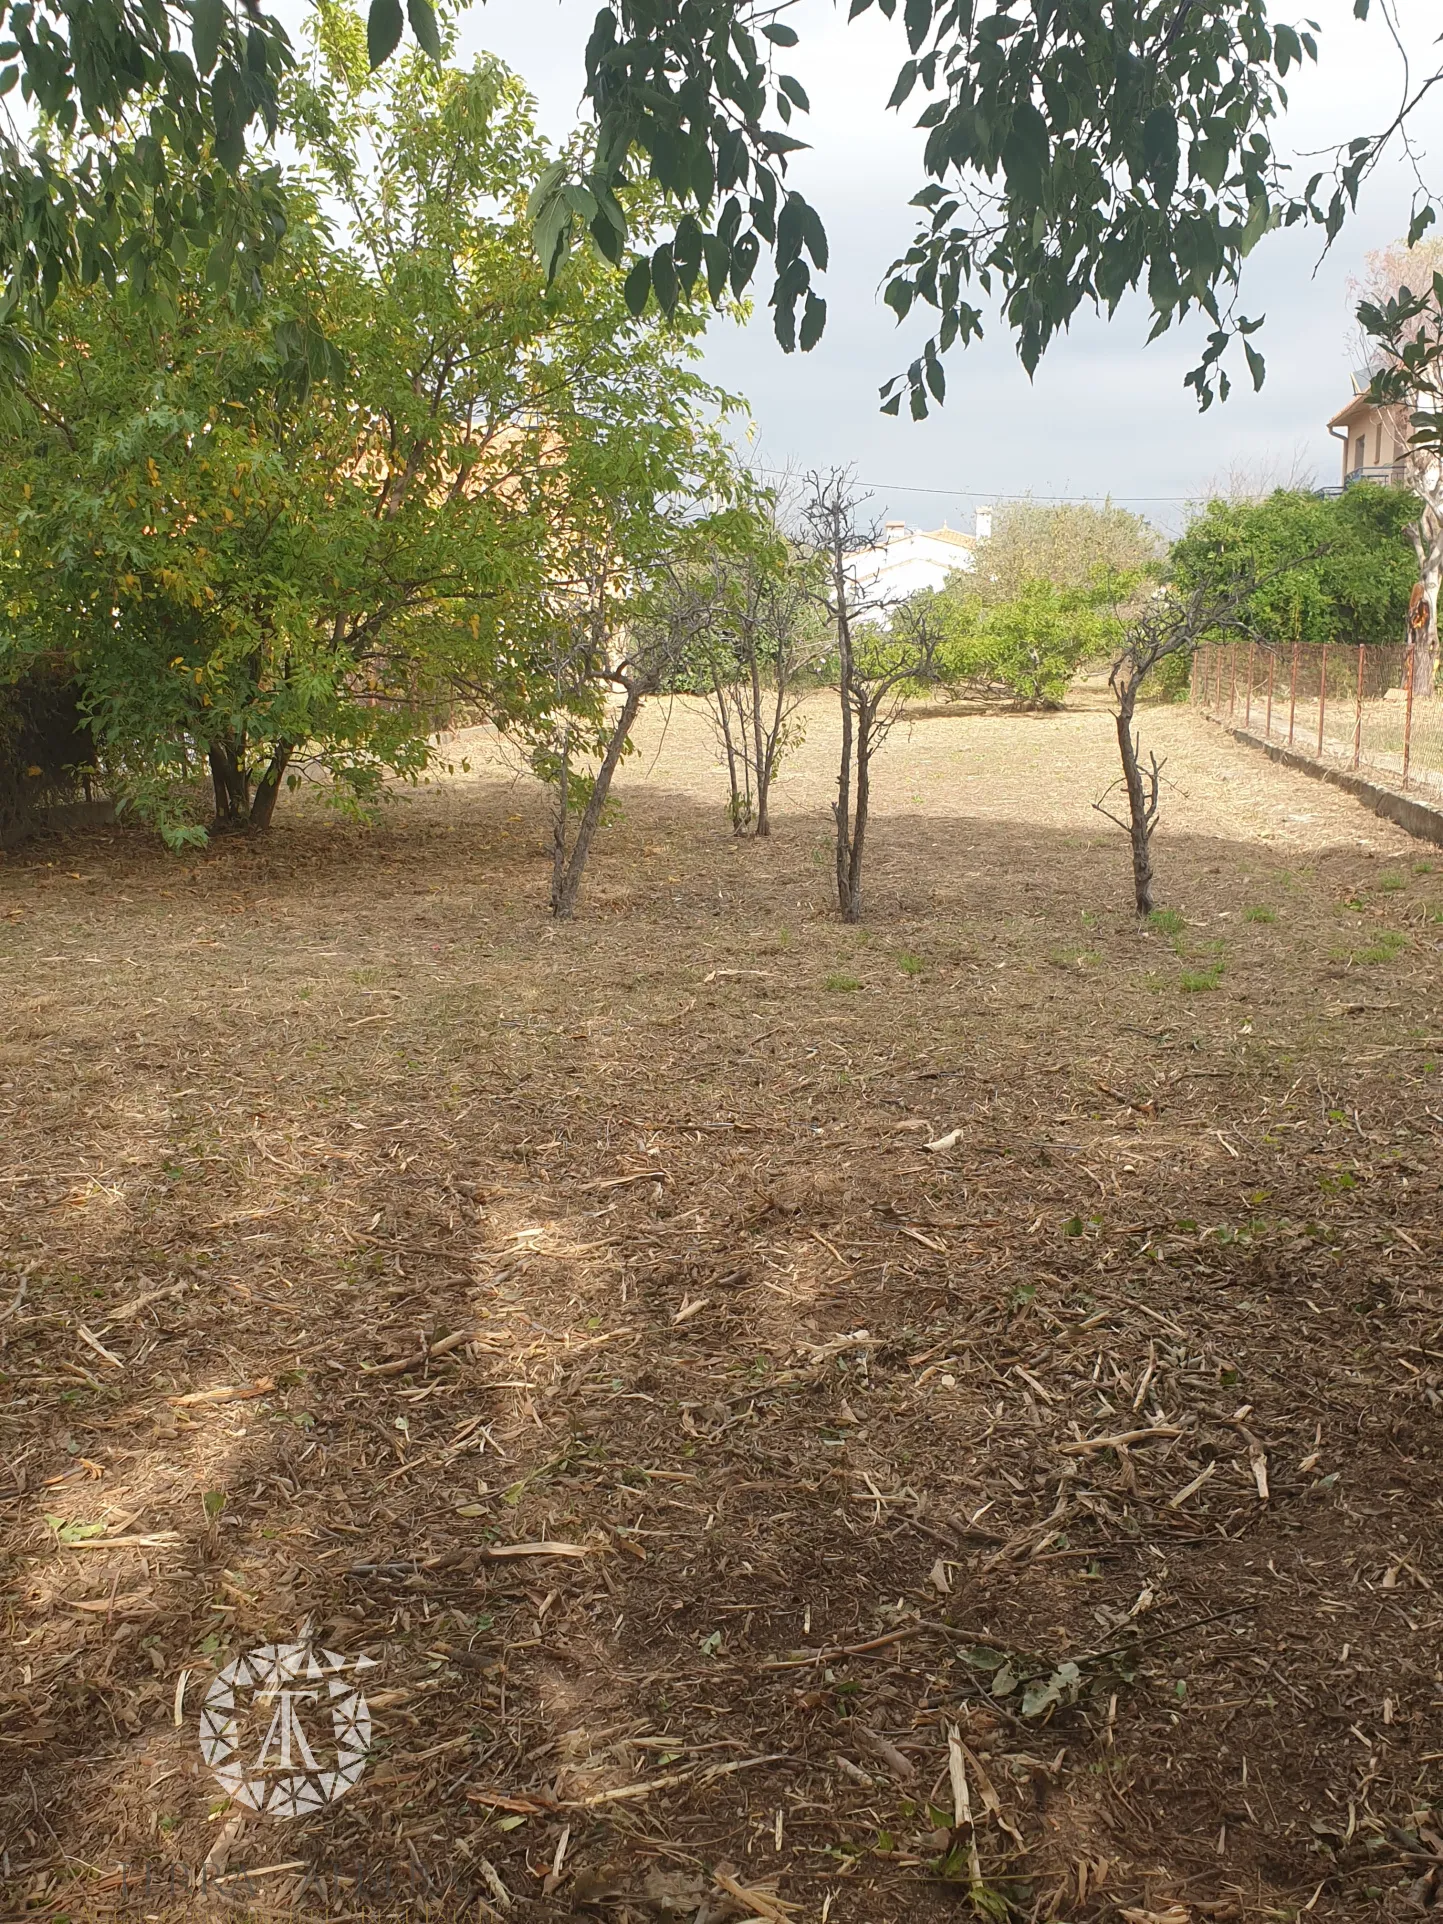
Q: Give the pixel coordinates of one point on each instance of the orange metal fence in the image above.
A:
(1351, 706)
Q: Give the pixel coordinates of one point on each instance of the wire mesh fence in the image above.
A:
(1349, 706)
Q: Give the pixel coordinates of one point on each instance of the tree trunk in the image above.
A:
(768, 766)
(1139, 813)
(230, 782)
(740, 805)
(852, 906)
(263, 805)
(759, 746)
(842, 808)
(563, 900)
(1427, 537)
(558, 829)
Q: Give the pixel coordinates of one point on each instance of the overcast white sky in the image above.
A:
(1107, 415)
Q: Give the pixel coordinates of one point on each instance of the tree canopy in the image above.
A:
(306, 521)
(1073, 154)
(1329, 569)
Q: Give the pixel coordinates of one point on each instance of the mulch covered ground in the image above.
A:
(807, 1423)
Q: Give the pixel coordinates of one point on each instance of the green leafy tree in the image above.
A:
(1067, 544)
(283, 533)
(1329, 569)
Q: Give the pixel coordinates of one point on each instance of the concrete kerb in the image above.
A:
(1418, 818)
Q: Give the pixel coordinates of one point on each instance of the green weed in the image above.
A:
(1388, 947)
(910, 964)
(1390, 881)
(1260, 913)
(842, 984)
(1070, 958)
(1167, 921)
(1199, 981)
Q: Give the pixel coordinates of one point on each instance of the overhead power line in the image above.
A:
(994, 494)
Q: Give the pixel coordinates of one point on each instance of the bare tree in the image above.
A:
(1167, 627)
(877, 662)
(587, 737)
(1255, 480)
(760, 650)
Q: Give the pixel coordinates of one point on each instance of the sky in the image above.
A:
(1107, 415)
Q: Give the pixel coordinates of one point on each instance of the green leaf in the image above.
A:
(1159, 142)
(383, 31)
(906, 81)
(779, 35)
(1026, 152)
(422, 16)
(1257, 367)
(1043, 1692)
(207, 24)
(227, 97)
(663, 279)
(814, 321)
(213, 1502)
(637, 286)
(75, 1532)
(917, 18)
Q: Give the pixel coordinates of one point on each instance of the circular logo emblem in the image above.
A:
(284, 1728)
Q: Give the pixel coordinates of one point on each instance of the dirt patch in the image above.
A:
(363, 1231)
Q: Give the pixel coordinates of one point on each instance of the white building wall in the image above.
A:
(909, 559)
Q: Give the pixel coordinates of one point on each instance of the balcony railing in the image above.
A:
(1388, 475)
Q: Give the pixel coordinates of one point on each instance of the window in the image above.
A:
(1359, 452)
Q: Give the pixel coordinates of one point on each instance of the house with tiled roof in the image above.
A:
(1374, 439)
(908, 559)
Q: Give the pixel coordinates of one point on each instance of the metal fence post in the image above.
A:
(1194, 676)
(1293, 697)
(1268, 718)
(1232, 679)
(1322, 696)
(1358, 712)
(1248, 711)
(1408, 710)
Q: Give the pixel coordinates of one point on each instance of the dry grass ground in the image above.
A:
(359, 1226)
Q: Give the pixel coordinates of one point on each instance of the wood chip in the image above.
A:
(101, 1351)
(227, 1393)
(902, 1768)
(1179, 1497)
(495, 1551)
(138, 1303)
(758, 1902)
(1121, 1440)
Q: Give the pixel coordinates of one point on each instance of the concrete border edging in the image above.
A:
(1417, 818)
